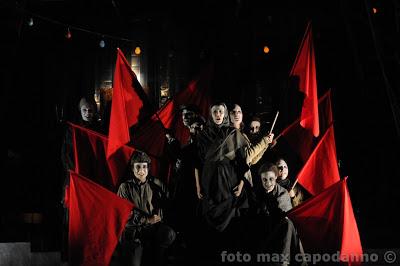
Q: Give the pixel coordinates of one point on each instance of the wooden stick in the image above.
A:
(273, 124)
(295, 182)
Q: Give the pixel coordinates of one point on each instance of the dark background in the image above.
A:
(357, 56)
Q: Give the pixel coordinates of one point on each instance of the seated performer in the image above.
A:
(296, 193)
(273, 231)
(145, 232)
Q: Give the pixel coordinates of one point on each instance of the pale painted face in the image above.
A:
(140, 170)
(268, 180)
(87, 112)
(283, 169)
(236, 116)
(218, 113)
(255, 127)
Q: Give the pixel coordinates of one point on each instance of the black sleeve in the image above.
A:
(173, 150)
(240, 163)
(67, 151)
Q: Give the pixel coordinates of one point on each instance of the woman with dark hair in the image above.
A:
(221, 151)
(253, 151)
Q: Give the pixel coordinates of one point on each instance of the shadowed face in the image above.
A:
(255, 127)
(187, 117)
(218, 113)
(195, 128)
(268, 180)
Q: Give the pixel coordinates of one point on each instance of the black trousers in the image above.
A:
(149, 246)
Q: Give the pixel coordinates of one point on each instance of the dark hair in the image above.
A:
(280, 159)
(199, 119)
(255, 118)
(268, 167)
(230, 109)
(190, 107)
(139, 157)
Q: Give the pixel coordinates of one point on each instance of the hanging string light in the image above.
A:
(68, 35)
(266, 49)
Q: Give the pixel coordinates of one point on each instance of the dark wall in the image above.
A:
(50, 70)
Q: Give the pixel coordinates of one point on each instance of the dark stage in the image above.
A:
(52, 56)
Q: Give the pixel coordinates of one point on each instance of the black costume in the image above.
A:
(272, 231)
(221, 151)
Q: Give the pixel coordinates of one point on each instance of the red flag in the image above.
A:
(326, 224)
(321, 169)
(150, 136)
(91, 161)
(196, 93)
(301, 139)
(90, 158)
(325, 112)
(127, 102)
(97, 218)
(304, 68)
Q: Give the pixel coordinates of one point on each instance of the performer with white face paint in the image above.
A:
(297, 193)
(145, 228)
(87, 119)
(271, 230)
(222, 158)
(87, 110)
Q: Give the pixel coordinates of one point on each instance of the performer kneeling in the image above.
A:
(275, 232)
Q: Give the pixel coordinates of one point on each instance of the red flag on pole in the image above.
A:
(91, 161)
(90, 158)
(321, 169)
(150, 136)
(304, 68)
(197, 93)
(302, 140)
(326, 224)
(127, 102)
(97, 218)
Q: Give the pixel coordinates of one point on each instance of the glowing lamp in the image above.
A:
(137, 50)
